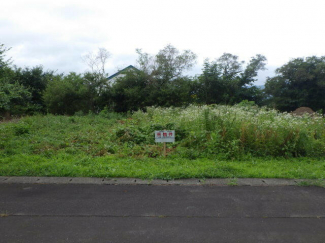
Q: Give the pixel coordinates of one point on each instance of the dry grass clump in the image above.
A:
(302, 111)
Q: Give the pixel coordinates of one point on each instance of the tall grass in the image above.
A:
(241, 130)
(201, 132)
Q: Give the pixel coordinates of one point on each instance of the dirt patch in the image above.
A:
(303, 110)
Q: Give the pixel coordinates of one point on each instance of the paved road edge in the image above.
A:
(180, 182)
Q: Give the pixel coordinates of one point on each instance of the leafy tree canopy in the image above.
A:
(34, 79)
(14, 97)
(67, 95)
(226, 81)
(3, 60)
(167, 65)
(300, 82)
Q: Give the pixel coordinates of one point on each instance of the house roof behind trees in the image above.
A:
(130, 67)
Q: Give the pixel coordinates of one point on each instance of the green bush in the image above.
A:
(110, 114)
(20, 129)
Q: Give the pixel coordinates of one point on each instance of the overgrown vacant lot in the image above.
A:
(211, 141)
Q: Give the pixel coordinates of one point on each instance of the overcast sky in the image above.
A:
(57, 33)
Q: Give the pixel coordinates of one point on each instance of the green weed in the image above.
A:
(211, 141)
(318, 182)
(232, 182)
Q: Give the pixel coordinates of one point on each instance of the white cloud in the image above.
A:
(57, 33)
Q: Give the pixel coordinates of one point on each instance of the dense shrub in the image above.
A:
(67, 95)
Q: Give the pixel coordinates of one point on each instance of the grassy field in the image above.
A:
(110, 166)
(211, 142)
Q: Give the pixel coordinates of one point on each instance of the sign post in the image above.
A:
(165, 136)
(164, 149)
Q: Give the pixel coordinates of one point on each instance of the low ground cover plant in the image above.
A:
(211, 141)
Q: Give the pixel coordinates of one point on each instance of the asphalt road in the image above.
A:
(142, 213)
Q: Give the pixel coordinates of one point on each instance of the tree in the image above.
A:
(134, 91)
(130, 92)
(226, 81)
(96, 79)
(300, 82)
(5, 69)
(66, 95)
(161, 78)
(97, 61)
(34, 79)
(98, 88)
(166, 66)
(14, 98)
(208, 87)
(3, 61)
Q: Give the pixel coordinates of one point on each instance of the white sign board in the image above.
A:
(165, 136)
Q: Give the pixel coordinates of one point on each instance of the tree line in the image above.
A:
(160, 80)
